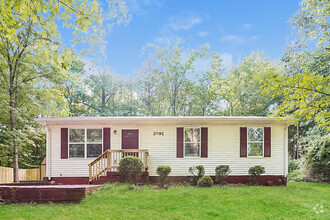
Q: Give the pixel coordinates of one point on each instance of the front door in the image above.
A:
(130, 139)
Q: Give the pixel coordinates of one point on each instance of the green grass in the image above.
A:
(295, 201)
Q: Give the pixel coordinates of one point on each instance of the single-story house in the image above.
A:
(86, 149)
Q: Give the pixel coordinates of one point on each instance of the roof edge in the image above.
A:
(43, 121)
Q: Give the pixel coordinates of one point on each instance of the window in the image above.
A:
(255, 142)
(77, 143)
(94, 142)
(85, 143)
(192, 142)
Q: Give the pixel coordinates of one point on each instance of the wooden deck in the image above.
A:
(45, 193)
(109, 161)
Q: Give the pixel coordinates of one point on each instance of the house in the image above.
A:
(86, 149)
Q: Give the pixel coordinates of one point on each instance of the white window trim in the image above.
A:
(184, 143)
(263, 142)
(85, 143)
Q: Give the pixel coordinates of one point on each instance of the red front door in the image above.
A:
(130, 139)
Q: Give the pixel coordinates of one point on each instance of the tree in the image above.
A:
(205, 98)
(71, 88)
(176, 70)
(30, 49)
(129, 101)
(148, 87)
(305, 84)
(103, 87)
(306, 96)
(241, 89)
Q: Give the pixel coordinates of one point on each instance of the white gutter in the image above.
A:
(160, 120)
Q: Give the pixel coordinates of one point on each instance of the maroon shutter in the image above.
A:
(64, 143)
(106, 138)
(204, 141)
(267, 142)
(179, 142)
(243, 142)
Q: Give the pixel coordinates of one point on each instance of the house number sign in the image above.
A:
(158, 133)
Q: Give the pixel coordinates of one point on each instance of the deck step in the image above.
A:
(116, 177)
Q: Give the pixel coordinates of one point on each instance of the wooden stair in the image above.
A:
(105, 167)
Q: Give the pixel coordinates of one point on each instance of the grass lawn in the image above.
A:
(296, 201)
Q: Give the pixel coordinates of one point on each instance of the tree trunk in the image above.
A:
(12, 112)
(297, 145)
(149, 101)
(103, 97)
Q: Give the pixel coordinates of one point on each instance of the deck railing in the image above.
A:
(109, 161)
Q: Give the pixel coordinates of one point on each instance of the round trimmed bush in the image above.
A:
(221, 173)
(163, 172)
(131, 168)
(255, 173)
(205, 181)
(256, 170)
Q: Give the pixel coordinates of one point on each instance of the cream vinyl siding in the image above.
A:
(223, 148)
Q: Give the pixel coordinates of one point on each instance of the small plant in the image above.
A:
(131, 169)
(221, 173)
(197, 172)
(293, 165)
(255, 173)
(205, 181)
(163, 172)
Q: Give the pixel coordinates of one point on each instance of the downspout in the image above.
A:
(285, 153)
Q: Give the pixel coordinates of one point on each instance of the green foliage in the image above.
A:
(205, 97)
(295, 175)
(221, 173)
(241, 89)
(131, 168)
(317, 158)
(295, 170)
(294, 165)
(305, 84)
(176, 71)
(163, 172)
(33, 61)
(256, 170)
(89, 20)
(197, 172)
(255, 173)
(149, 89)
(205, 181)
(306, 96)
(311, 22)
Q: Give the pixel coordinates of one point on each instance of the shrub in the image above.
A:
(221, 173)
(205, 181)
(317, 158)
(131, 169)
(295, 170)
(255, 173)
(163, 172)
(293, 165)
(295, 175)
(197, 172)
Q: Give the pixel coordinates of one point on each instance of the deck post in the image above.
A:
(108, 159)
(90, 173)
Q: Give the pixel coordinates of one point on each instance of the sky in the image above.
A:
(233, 28)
